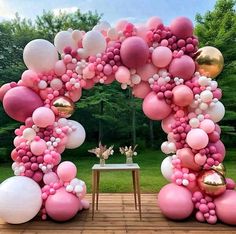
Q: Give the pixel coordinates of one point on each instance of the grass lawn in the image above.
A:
(149, 161)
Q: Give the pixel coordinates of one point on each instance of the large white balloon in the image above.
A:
(76, 137)
(20, 199)
(40, 55)
(64, 39)
(167, 168)
(216, 112)
(94, 42)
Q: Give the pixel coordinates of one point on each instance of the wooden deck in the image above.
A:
(116, 214)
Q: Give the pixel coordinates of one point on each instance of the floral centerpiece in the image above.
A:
(129, 152)
(102, 152)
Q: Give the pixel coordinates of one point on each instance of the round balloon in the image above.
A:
(182, 27)
(141, 90)
(63, 107)
(167, 168)
(194, 135)
(43, 117)
(161, 56)
(182, 95)
(216, 112)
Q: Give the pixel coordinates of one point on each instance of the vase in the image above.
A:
(102, 162)
(129, 160)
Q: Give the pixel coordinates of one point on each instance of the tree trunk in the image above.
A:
(151, 135)
(133, 118)
(100, 122)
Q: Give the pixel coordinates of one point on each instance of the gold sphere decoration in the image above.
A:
(63, 107)
(220, 168)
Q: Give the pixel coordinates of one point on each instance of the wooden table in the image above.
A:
(97, 169)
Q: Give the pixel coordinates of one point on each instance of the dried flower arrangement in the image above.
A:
(129, 152)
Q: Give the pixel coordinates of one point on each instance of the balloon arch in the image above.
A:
(163, 66)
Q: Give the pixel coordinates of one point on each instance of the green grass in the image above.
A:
(149, 161)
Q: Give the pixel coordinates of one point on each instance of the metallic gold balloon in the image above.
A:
(220, 168)
(211, 182)
(209, 61)
(63, 107)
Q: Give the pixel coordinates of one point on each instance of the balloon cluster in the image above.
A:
(164, 67)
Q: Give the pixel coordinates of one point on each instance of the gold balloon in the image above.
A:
(63, 107)
(211, 182)
(209, 61)
(220, 168)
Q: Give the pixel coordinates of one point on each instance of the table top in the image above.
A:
(114, 167)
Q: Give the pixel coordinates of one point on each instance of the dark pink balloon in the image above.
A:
(230, 184)
(220, 148)
(3, 90)
(166, 123)
(182, 67)
(182, 27)
(134, 52)
(182, 95)
(141, 90)
(20, 102)
(154, 108)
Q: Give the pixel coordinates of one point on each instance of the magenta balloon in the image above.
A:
(62, 206)
(193, 137)
(155, 108)
(182, 95)
(141, 90)
(20, 102)
(161, 56)
(226, 207)
(154, 22)
(175, 202)
(3, 90)
(134, 52)
(166, 123)
(183, 67)
(147, 71)
(182, 27)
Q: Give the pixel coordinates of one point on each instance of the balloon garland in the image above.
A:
(163, 66)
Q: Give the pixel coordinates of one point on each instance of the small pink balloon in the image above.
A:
(122, 75)
(154, 22)
(155, 108)
(220, 148)
(43, 117)
(67, 171)
(214, 136)
(182, 27)
(3, 90)
(146, 71)
(182, 67)
(120, 25)
(62, 206)
(182, 95)
(134, 52)
(75, 95)
(50, 177)
(141, 31)
(207, 125)
(109, 79)
(200, 159)
(60, 68)
(193, 137)
(175, 202)
(226, 207)
(141, 90)
(85, 204)
(29, 78)
(161, 56)
(38, 147)
(18, 140)
(166, 123)
(230, 184)
(89, 84)
(217, 93)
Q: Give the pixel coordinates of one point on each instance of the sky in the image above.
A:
(136, 11)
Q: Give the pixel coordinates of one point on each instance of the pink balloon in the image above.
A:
(166, 123)
(89, 84)
(217, 93)
(154, 22)
(182, 95)
(175, 202)
(220, 148)
(18, 140)
(134, 52)
(197, 139)
(38, 147)
(67, 171)
(230, 184)
(122, 75)
(62, 206)
(182, 27)
(20, 102)
(120, 25)
(29, 78)
(3, 90)
(146, 71)
(207, 125)
(75, 95)
(141, 31)
(141, 90)
(182, 67)
(85, 204)
(226, 207)
(50, 177)
(109, 79)
(43, 117)
(214, 136)
(161, 56)
(155, 108)
(60, 68)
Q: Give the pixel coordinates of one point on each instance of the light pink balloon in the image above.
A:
(3, 90)
(85, 204)
(220, 148)
(50, 177)
(75, 95)
(182, 27)
(20, 102)
(60, 68)
(200, 159)
(166, 123)
(155, 108)
(122, 75)
(62, 206)
(29, 78)
(182, 95)
(43, 117)
(89, 84)
(147, 71)
(141, 31)
(183, 67)
(207, 125)
(120, 25)
(141, 90)
(18, 140)
(197, 139)
(226, 207)
(154, 22)
(161, 56)
(109, 79)
(38, 147)
(67, 171)
(175, 202)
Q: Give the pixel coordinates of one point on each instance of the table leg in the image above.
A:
(97, 188)
(139, 195)
(134, 187)
(93, 191)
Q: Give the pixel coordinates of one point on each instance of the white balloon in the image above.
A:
(75, 138)
(206, 96)
(136, 79)
(20, 199)
(172, 147)
(29, 134)
(102, 26)
(194, 122)
(167, 168)
(56, 84)
(77, 35)
(64, 39)
(112, 34)
(42, 84)
(164, 147)
(83, 53)
(40, 55)
(216, 112)
(94, 42)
